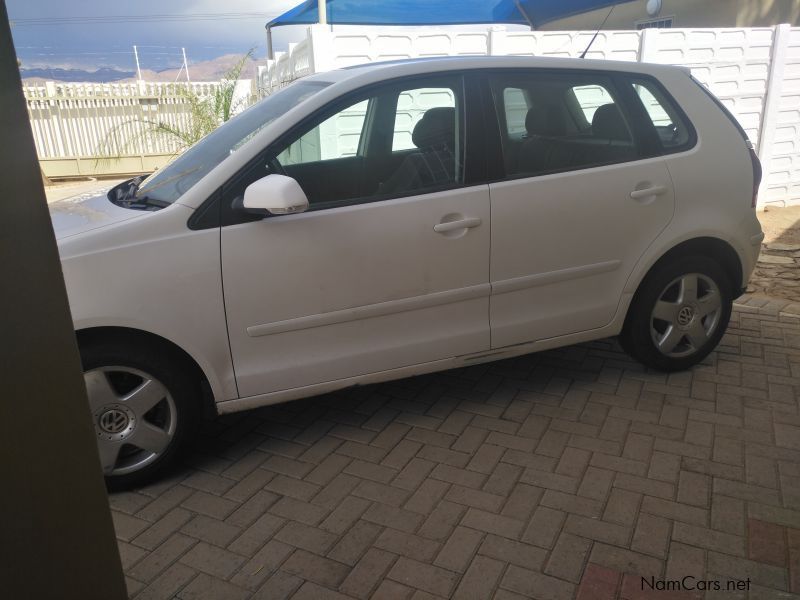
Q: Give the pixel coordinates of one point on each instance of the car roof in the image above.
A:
(380, 70)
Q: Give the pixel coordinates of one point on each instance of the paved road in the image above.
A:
(70, 189)
(569, 473)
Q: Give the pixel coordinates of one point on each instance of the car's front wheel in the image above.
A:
(142, 405)
(679, 314)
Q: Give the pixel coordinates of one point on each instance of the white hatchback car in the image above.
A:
(393, 219)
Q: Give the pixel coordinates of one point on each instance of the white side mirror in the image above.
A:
(276, 194)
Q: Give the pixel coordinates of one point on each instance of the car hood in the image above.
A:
(85, 212)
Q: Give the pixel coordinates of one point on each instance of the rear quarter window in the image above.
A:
(674, 132)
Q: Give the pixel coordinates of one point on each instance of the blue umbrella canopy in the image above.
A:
(438, 12)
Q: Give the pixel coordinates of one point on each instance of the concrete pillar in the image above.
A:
(770, 113)
(56, 533)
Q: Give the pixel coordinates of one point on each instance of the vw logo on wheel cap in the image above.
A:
(685, 315)
(113, 421)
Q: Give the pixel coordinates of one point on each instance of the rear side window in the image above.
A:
(674, 133)
(551, 122)
(590, 98)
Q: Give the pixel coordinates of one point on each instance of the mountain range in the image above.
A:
(209, 70)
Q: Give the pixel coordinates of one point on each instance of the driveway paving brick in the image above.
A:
(573, 473)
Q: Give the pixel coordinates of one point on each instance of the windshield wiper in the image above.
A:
(145, 202)
(124, 195)
(125, 191)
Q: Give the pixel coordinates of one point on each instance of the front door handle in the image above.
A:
(468, 223)
(655, 190)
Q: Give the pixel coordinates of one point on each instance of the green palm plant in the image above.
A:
(205, 114)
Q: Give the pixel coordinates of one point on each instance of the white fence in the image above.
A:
(288, 66)
(754, 71)
(77, 126)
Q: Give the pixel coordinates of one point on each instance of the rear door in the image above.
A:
(576, 205)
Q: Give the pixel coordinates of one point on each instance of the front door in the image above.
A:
(388, 268)
(577, 207)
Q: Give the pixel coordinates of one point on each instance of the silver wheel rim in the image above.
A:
(686, 315)
(134, 417)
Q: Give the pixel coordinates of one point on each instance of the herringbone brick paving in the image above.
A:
(564, 474)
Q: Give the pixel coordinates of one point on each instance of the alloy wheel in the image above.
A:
(686, 315)
(134, 417)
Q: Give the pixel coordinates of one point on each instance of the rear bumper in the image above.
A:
(751, 258)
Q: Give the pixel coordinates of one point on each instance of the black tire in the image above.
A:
(175, 376)
(637, 337)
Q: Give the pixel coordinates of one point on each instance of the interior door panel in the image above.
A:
(332, 180)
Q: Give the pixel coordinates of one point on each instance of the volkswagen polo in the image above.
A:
(394, 219)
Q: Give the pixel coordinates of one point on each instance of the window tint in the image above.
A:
(572, 121)
(673, 132)
(401, 140)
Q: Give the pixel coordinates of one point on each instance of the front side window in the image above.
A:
(336, 137)
(400, 140)
(411, 107)
(166, 185)
(572, 121)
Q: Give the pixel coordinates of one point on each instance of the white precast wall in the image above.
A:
(733, 63)
(754, 71)
(75, 125)
(782, 121)
(75, 119)
(608, 45)
(286, 67)
(336, 50)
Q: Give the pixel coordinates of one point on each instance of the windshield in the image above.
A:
(166, 185)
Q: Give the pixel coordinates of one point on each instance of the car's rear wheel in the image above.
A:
(143, 407)
(679, 314)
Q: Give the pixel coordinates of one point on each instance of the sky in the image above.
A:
(91, 45)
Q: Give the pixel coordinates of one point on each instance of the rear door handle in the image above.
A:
(655, 190)
(460, 224)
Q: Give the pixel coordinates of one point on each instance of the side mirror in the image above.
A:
(275, 194)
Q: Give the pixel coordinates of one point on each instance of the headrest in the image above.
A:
(545, 120)
(608, 123)
(437, 126)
